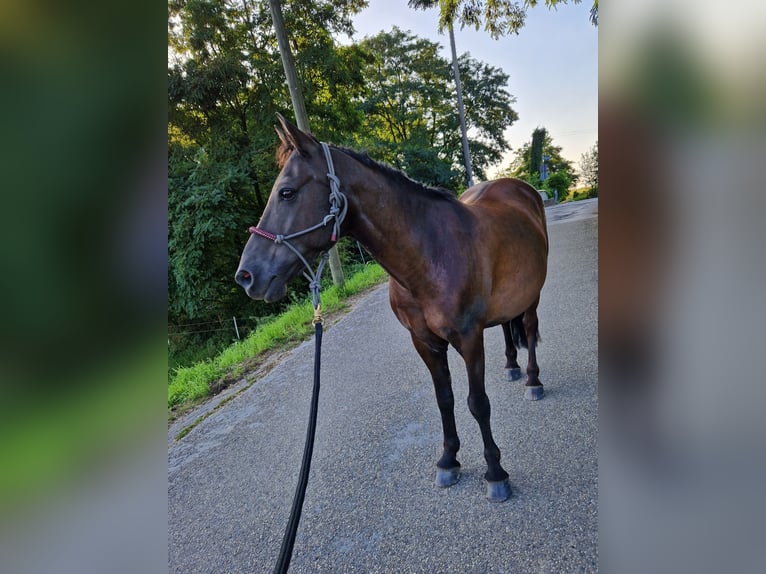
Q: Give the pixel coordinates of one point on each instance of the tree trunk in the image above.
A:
(460, 108)
(300, 109)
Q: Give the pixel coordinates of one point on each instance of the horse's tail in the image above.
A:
(519, 333)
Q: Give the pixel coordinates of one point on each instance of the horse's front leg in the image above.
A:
(435, 358)
(472, 350)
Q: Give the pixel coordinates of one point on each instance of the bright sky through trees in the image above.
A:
(552, 63)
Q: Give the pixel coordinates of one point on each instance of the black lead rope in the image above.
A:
(338, 210)
(286, 552)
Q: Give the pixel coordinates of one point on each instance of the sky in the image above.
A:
(552, 64)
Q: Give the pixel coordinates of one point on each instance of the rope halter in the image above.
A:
(338, 211)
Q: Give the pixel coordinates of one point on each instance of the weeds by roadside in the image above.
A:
(192, 384)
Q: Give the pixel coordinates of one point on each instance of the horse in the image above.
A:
(455, 266)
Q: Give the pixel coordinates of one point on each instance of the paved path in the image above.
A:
(371, 505)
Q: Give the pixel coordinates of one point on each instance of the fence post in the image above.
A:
(359, 247)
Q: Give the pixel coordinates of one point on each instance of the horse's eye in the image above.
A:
(287, 193)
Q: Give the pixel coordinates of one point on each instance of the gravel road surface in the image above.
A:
(371, 505)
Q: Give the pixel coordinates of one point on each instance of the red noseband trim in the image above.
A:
(262, 233)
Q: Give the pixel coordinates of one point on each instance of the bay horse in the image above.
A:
(456, 266)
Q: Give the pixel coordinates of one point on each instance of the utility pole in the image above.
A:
(451, 7)
(300, 109)
(460, 107)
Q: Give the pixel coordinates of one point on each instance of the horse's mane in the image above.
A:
(399, 177)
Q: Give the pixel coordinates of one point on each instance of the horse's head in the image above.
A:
(301, 218)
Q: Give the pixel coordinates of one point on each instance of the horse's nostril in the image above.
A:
(243, 278)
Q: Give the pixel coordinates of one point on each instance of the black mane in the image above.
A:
(398, 176)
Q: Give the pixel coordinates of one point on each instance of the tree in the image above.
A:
(594, 13)
(422, 5)
(296, 96)
(557, 185)
(409, 111)
(205, 202)
(589, 169)
(536, 152)
(526, 163)
(225, 83)
(498, 17)
(488, 111)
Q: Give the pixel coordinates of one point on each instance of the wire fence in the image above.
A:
(354, 252)
(214, 326)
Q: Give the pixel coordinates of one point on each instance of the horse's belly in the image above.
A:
(513, 294)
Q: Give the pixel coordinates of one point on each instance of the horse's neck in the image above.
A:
(388, 220)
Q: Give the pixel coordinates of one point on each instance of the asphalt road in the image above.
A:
(371, 505)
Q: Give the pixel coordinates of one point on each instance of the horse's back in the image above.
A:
(509, 200)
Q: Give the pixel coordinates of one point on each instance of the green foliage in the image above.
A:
(225, 83)
(536, 150)
(410, 120)
(589, 169)
(488, 113)
(559, 181)
(496, 17)
(207, 206)
(583, 193)
(189, 384)
(522, 166)
(392, 95)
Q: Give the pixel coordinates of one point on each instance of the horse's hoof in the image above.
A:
(499, 491)
(447, 476)
(513, 374)
(533, 393)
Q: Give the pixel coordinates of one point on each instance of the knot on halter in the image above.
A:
(333, 179)
(315, 285)
(338, 201)
(279, 239)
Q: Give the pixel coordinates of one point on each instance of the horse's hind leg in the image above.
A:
(534, 388)
(512, 368)
(448, 467)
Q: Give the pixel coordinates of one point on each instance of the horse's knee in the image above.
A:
(478, 404)
(445, 398)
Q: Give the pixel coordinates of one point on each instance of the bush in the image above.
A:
(559, 181)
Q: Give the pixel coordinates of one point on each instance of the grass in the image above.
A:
(576, 194)
(190, 384)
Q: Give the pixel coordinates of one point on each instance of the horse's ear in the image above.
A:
(285, 148)
(297, 139)
(282, 137)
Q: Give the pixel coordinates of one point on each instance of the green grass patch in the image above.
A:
(577, 194)
(193, 383)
